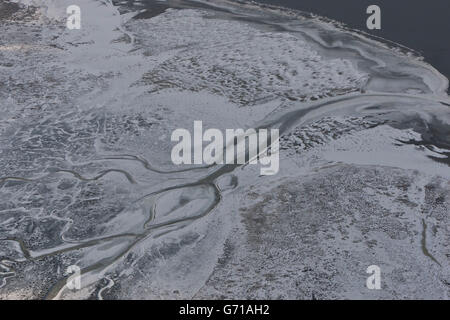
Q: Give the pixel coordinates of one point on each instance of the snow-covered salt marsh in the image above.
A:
(86, 177)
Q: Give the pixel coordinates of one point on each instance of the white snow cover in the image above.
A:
(85, 135)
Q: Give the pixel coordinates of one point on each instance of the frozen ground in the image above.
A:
(86, 177)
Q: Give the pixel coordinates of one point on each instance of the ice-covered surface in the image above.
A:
(314, 236)
(86, 177)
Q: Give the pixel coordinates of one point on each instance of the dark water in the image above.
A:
(418, 24)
